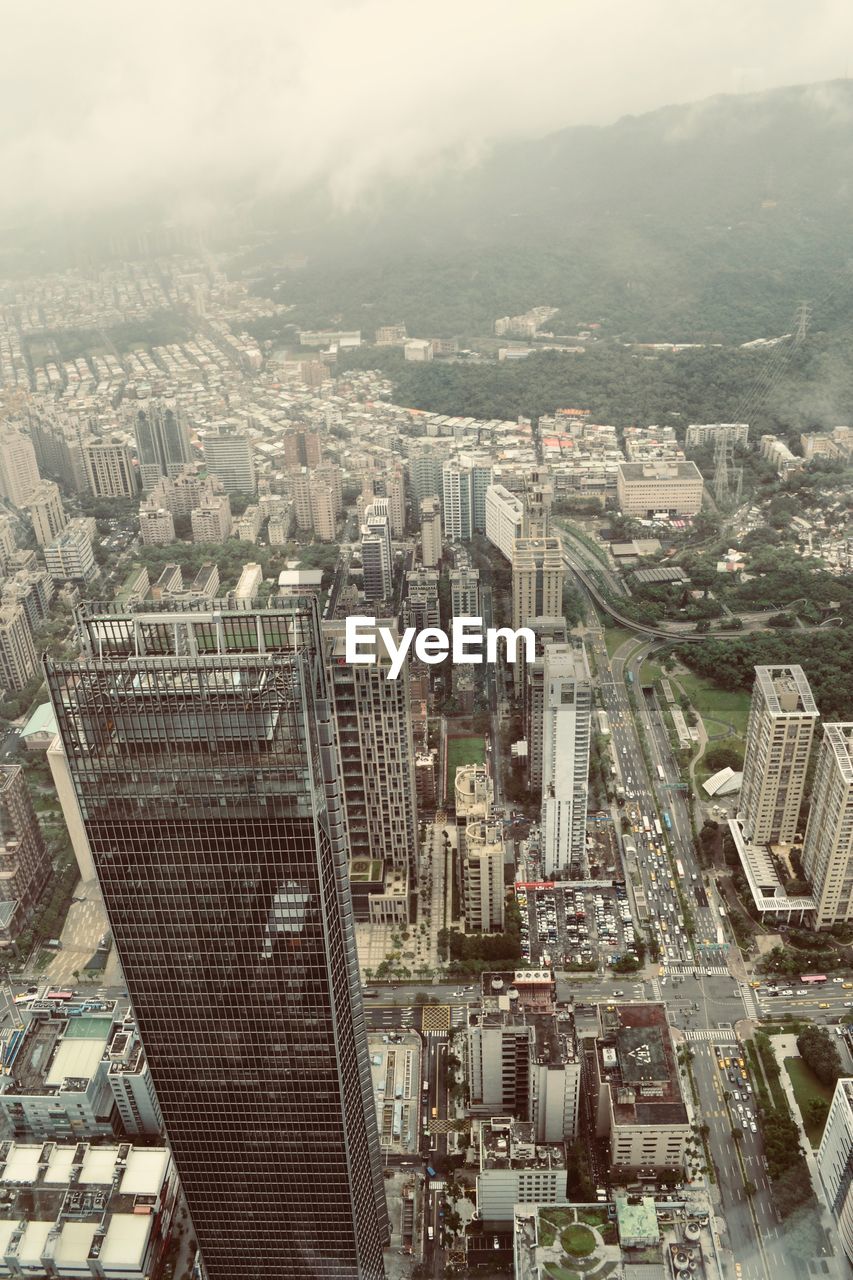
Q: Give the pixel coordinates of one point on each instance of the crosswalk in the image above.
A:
(748, 1000)
(708, 971)
(718, 1034)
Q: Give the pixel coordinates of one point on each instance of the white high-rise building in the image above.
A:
(828, 847)
(779, 732)
(505, 519)
(835, 1162)
(430, 532)
(566, 713)
(376, 551)
(228, 455)
(458, 502)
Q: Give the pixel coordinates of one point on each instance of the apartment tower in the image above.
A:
(201, 747)
(162, 440)
(566, 714)
(538, 576)
(430, 532)
(828, 847)
(779, 732)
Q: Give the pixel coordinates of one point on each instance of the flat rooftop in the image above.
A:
(511, 1144)
(785, 690)
(664, 469)
(636, 1058)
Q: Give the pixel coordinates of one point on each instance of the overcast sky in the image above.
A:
(102, 103)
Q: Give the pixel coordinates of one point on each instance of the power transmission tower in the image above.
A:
(804, 315)
(728, 479)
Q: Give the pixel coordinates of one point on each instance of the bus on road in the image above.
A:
(661, 773)
(658, 829)
(667, 821)
(813, 979)
(679, 868)
(630, 677)
(59, 995)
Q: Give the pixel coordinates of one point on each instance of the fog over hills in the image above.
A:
(709, 220)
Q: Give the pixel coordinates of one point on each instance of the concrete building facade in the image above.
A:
(782, 719)
(828, 846)
(46, 512)
(505, 519)
(671, 488)
(835, 1162)
(566, 727)
(430, 533)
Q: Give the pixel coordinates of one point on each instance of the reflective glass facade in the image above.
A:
(202, 752)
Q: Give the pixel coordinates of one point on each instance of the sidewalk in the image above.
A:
(785, 1046)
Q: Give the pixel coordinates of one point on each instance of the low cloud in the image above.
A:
(104, 106)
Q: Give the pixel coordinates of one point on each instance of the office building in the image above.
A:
(109, 470)
(235, 858)
(782, 719)
(19, 473)
(228, 455)
(835, 1162)
(828, 847)
(700, 435)
(430, 533)
(640, 1106)
(377, 754)
(465, 591)
(668, 489)
(517, 1169)
(162, 439)
(505, 519)
(56, 1087)
(74, 1210)
(482, 863)
(566, 716)
(70, 558)
(376, 552)
(18, 661)
(46, 512)
(546, 631)
(538, 578)
(211, 519)
(25, 863)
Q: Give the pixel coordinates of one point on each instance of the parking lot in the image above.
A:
(570, 927)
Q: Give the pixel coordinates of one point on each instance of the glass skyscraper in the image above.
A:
(201, 747)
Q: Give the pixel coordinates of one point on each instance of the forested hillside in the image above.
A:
(707, 221)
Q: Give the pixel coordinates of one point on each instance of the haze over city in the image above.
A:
(189, 104)
(426, 626)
